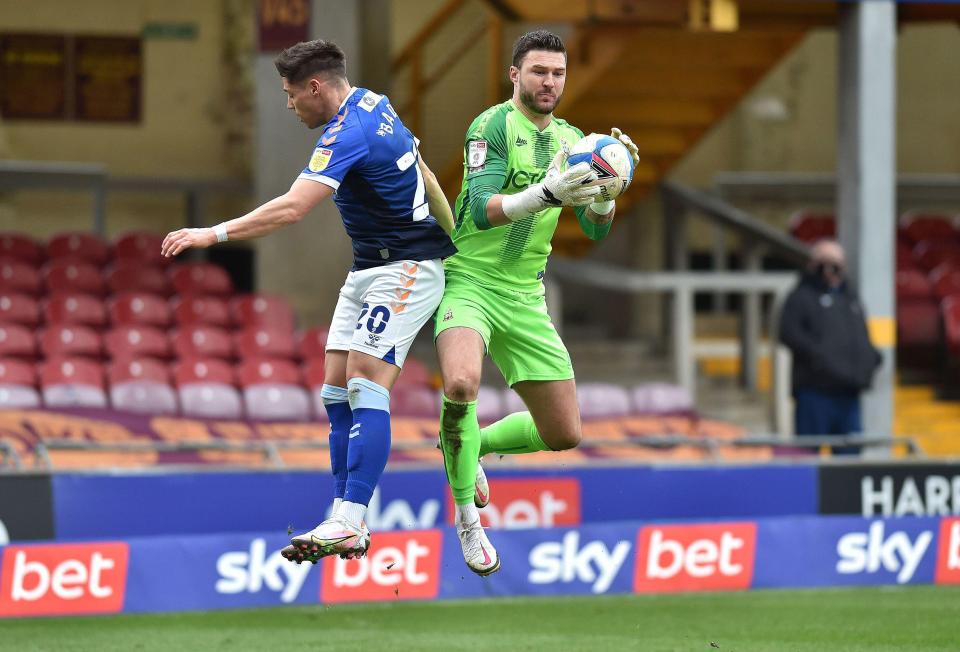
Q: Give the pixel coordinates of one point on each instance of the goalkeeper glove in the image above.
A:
(628, 143)
(557, 189)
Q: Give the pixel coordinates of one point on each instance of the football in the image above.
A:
(609, 158)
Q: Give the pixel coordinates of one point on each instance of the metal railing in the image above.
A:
(272, 451)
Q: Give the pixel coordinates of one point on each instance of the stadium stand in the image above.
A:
(661, 398)
(273, 390)
(926, 227)
(810, 226)
(265, 343)
(70, 340)
(17, 341)
(71, 275)
(211, 311)
(140, 308)
(418, 401)
(918, 313)
(18, 384)
(313, 377)
(206, 388)
(490, 406)
(202, 341)
(603, 400)
(262, 310)
(72, 382)
(19, 308)
(312, 343)
(18, 276)
(75, 308)
(141, 385)
(141, 247)
(21, 247)
(78, 246)
(929, 254)
(135, 341)
(131, 276)
(200, 279)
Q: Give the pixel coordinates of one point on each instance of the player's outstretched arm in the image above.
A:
(439, 207)
(288, 208)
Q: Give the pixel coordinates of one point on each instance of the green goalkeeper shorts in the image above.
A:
(515, 327)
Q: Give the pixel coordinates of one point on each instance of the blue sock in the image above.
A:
(369, 438)
(341, 418)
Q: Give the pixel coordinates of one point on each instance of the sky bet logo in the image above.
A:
(517, 503)
(948, 555)
(875, 550)
(567, 561)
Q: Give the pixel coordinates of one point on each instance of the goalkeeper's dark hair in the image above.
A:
(309, 58)
(539, 39)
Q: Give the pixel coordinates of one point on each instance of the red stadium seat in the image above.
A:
(18, 308)
(204, 279)
(920, 227)
(141, 385)
(206, 389)
(136, 341)
(72, 382)
(131, 276)
(142, 247)
(18, 381)
(21, 247)
(262, 310)
(661, 398)
(930, 254)
(950, 309)
(414, 401)
(913, 284)
(312, 343)
(945, 280)
(18, 276)
(490, 405)
(918, 323)
(73, 275)
(313, 375)
(140, 308)
(79, 246)
(265, 343)
(810, 226)
(415, 372)
(272, 390)
(16, 341)
(74, 308)
(67, 341)
(202, 341)
(603, 400)
(211, 311)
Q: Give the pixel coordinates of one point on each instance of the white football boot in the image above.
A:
(481, 490)
(478, 552)
(335, 536)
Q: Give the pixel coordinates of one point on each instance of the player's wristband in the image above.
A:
(220, 230)
(602, 207)
(526, 203)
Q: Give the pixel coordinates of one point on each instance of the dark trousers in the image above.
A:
(819, 413)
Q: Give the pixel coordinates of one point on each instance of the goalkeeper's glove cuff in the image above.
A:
(602, 207)
(532, 200)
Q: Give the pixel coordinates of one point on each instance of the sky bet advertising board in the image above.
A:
(223, 571)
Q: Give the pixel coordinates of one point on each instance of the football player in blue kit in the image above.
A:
(398, 219)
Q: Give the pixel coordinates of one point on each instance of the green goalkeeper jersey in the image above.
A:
(503, 154)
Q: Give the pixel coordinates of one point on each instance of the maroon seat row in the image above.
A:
(140, 246)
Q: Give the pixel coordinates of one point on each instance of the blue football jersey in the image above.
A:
(369, 158)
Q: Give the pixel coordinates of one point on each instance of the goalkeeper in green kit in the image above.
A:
(514, 187)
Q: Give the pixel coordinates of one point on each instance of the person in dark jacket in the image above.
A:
(824, 326)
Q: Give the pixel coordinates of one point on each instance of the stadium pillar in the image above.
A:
(306, 262)
(866, 167)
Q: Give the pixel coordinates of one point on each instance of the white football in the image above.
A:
(609, 158)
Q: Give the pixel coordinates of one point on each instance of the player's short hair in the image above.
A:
(308, 58)
(539, 39)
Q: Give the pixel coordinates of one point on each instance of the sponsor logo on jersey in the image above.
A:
(320, 159)
(948, 556)
(568, 561)
(700, 557)
(529, 503)
(448, 315)
(401, 565)
(520, 141)
(63, 579)
(476, 155)
(875, 551)
(253, 570)
(369, 101)
(520, 179)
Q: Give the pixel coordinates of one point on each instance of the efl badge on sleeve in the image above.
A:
(320, 159)
(476, 155)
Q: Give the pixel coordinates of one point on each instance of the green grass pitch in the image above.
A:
(833, 620)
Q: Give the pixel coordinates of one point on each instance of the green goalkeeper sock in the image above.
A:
(512, 435)
(460, 441)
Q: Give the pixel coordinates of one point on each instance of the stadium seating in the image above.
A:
(930, 254)
(132, 276)
(16, 308)
(135, 341)
(661, 398)
(20, 247)
(926, 227)
(202, 341)
(18, 384)
(945, 280)
(414, 401)
(490, 405)
(312, 343)
(415, 373)
(211, 311)
(18, 276)
(141, 385)
(17, 341)
(206, 389)
(69, 275)
(142, 247)
(70, 340)
(265, 343)
(918, 313)
(78, 246)
(810, 226)
(603, 400)
(262, 310)
(72, 382)
(75, 308)
(140, 308)
(202, 279)
(313, 372)
(272, 390)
